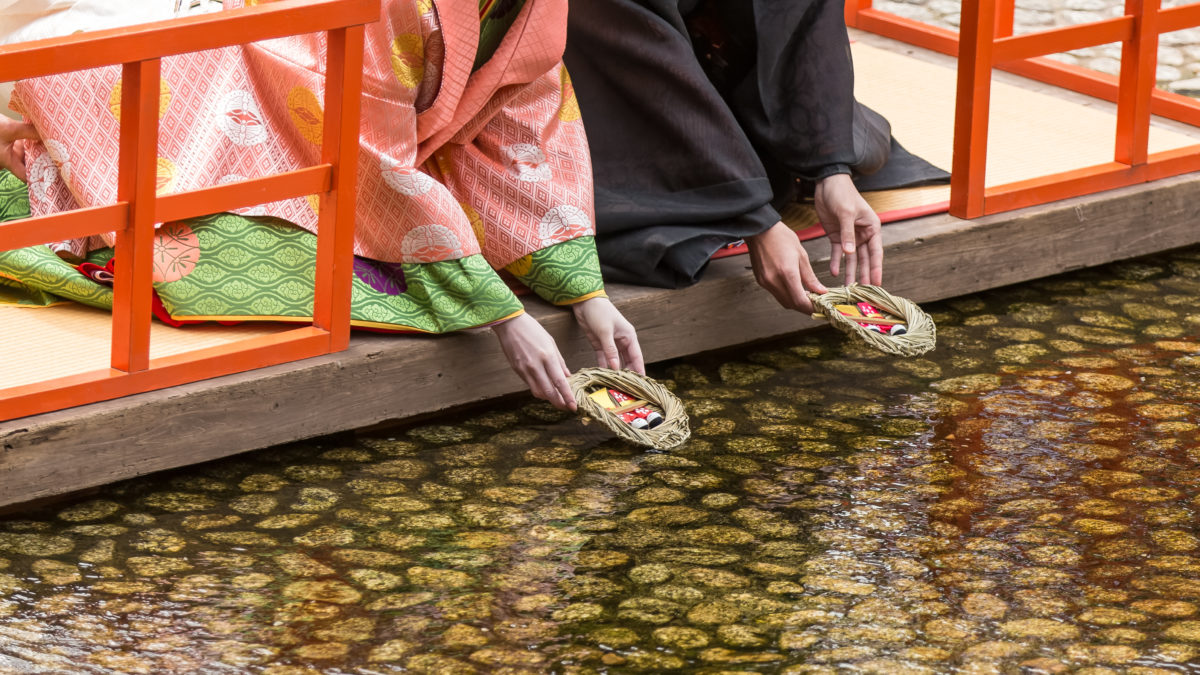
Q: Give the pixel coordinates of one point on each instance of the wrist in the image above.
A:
(583, 305)
(509, 322)
(834, 179)
(831, 171)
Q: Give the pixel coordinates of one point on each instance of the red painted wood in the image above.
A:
(136, 184)
(138, 209)
(971, 110)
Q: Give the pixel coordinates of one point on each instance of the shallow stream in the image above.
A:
(1023, 501)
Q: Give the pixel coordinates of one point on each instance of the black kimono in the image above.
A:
(703, 114)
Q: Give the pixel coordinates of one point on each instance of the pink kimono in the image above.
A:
(457, 159)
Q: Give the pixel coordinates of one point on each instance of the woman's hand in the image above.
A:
(533, 355)
(612, 336)
(853, 230)
(13, 135)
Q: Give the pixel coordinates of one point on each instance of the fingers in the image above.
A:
(631, 351)
(613, 338)
(548, 381)
(602, 346)
(12, 130)
(539, 385)
(14, 161)
(781, 266)
(558, 374)
(25, 131)
(835, 255)
(791, 287)
(536, 360)
(809, 278)
(611, 357)
(852, 255)
(864, 265)
(875, 246)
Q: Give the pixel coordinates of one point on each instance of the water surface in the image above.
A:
(1021, 501)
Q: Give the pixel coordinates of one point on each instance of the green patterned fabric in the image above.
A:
(14, 197)
(562, 273)
(495, 18)
(230, 267)
(36, 275)
(262, 267)
(42, 272)
(17, 293)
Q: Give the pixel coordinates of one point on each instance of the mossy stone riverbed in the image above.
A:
(1022, 500)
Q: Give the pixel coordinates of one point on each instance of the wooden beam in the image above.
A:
(382, 378)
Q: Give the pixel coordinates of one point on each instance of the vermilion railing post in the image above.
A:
(969, 161)
(852, 8)
(339, 146)
(1139, 61)
(136, 184)
(1005, 17)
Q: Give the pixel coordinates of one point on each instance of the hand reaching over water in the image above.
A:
(533, 355)
(781, 266)
(612, 336)
(13, 135)
(853, 230)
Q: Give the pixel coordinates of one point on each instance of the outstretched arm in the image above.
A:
(13, 135)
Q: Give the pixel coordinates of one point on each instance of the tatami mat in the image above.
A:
(47, 342)
(1031, 134)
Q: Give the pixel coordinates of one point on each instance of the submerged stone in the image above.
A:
(330, 591)
(254, 504)
(56, 573)
(694, 556)
(262, 482)
(34, 545)
(680, 637)
(542, 476)
(97, 509)
(967, 384)
(441, 434)
(179, 501)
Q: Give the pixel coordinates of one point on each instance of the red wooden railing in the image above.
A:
(986, 42)
(139, 49)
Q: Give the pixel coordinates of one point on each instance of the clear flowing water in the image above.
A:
(1022, 501)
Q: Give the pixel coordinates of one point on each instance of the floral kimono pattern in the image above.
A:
(472, 159)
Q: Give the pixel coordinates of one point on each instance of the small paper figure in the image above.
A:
(637, 414)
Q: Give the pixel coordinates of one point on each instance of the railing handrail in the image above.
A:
(169, 37)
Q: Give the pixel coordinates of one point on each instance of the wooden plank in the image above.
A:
(383, 378)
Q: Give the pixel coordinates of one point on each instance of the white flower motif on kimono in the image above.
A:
(528, 162)
(41, 173)
(403, 179)
(241, 119)
(430, 243)
(563, 223)
(57, 150)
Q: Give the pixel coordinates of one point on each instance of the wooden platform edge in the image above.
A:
(383, 378)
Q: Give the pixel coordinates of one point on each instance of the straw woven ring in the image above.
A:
(674, 428)
(920, 338)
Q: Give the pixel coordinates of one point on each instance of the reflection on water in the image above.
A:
(1023, 501)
